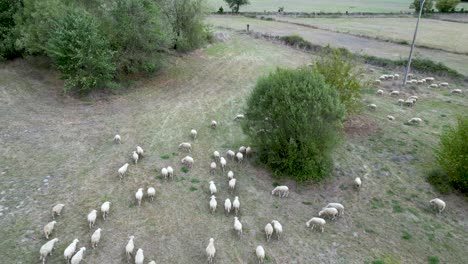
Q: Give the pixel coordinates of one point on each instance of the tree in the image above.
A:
(427, 7)
(447, 5)
(293, 119)
(8, 32)
(236, 4)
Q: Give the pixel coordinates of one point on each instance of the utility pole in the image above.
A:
(412, 45)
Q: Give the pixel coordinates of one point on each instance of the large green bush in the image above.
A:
(452, 155)
(447, 5)
(293, 119)
(8, 31)
(427, 7)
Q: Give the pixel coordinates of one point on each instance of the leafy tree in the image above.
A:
(236, 4)
(8, 32)
(427, 7)
(293, 118)
(447, 5)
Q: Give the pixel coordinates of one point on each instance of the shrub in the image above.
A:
(8, 32)
(452, 155)
(80, 52)
(416, 5)
(296, 40)
(236, 4)
(293, 117)
(433, 260)
(438, 178)
(447, 5)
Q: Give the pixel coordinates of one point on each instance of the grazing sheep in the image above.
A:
(429, 79)
(78, 256)
(415, 120)
(434, 85)
(135, 157)
(377, 82)
(239, 117)
(212, 188)
(316, 221)
(129, 248)
(152, 262)
(223, 162)
(380, 92)
(456, 91)
(394, 93)
(139, 257)
(214, 124)
(212, 167)
(409, 103)
(330, 212)
(242, 149)
(260, 254)
(438, 203)
(357, 182)
(383, 78)
(187, 161)
(105, 207)
(237, 226)
(401, 101)
(185, 146)
(413, 81)
(95, 237)
(170, 172)
(230, 154)
(117, 139)
(151, 193)
(216, 155)
(337, 206)
(372, 107)
(210, 251)
(390, 77)
(230, 175)
(239, 157)
(278, 228)
(268, 231)
(193, 134)
(232, 184)
(49, 228)
(164, 173)
(371, 70)
(70, 250)
(420, 82)
(444, 84)
(57, 209)
(396, 76)
(47, 248)
(227, 206)
(248, 152)
(92, 218)
(139, 196)
(213, 204)
(281, 191)
(123, 170)
(409, 76)
(236, 205)
(139, 151)
(413, 97)
(391, 118)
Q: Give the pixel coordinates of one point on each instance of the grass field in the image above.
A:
(59, 149)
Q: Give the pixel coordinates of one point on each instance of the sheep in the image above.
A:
(357, 182)
(213, 204)
(139, 257)
(49, 228)
(316, 221)
(47, 248)
(216, 155)
(139, 151)
(151, 193)
(444, 84)
(230, 154)
(237, 226)
(123, 170)
(396, 76)
(212, 167)
(394, 93)
(383, 78)
(413, 97)
(409, 103)
(330, 212)
(248, 151)
(230, 175)
(401, 101)
(409, 76)
(187, 161)
(434, 85)
(129, 248)
(210, 251)
(390, 77)
(372, 107)
(70, 250)
(185, 146)
(227, 206)
(281, 191)
(380, 92)
(429, 79)
(242, 149)
(337, 206)
(239, 157)
(164, 173)
(377, 82)
(170, 172)
(92, 218)
(260, 254)
(438, 203)
(413, 81)
(391, 118)
(239, 117)
(135, 157)
(117, 139)
(415, 120)
(193, 134)
(95, 237)
(456, 91)
(232, 184)
(223, 162)
(278, 228)
(236, 205)
(152, 262)
(139, 196)
(268, 231)
(214, 124)
(78, 256)
(420, 82)
(57, 209)
(212, 188)
(105, 207)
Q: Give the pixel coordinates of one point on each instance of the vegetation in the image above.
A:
(447, 5)
(8, 34)
(427, 6)
(236, 4)
(452, 155)
(293, 118)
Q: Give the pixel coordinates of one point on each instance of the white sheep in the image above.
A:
(210, 251)
(151, 193)
(95, 237)
(281, 191)
(49, 228)
(187, 161)
(278, 228)
(401, 101)
(260, 254)
(239, 117)
(429, 79)
(420, 82)
(316, 221)
(185, 146)
(47, 248)
(213, 204)
(139, 196)
(409, 76)
(152, 262)
(236, 205)
(391, 118)
(135, 157)
(223, 163)
(57, 209)
(170, 172)
(380, 92)
(413, 97)
(117, 139)
(129, 248)
(78, 256)
(214, 124)
(337, 206)
(230, 154)
(357, 182)
(139, 257)
(409, 102)
(230, 175)
(237, 226)
(434, 85)
(239, 157)
(139, 151)
(383, 78)
(242, 149)
(390, 77)
(456, 91)
(372, 107)
(396, 76)
(92, 218)
(164, 173)
(212, 188)
(415, 120)
(227, 206)
(232, 184)
(394, 93)
(444, 84)
(193, 134)
(268, 231)
(377, 82)
(438, 203)
(70, 250)
(330, 212)
(248, 151)
(212, 167)
(105, 207)
(123, 170)
(216, 155)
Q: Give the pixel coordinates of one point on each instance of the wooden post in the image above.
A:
(405, 78)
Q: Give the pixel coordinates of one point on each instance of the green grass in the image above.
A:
(406, 235)
(193, 188)
(194, 180)
(376, 203)
(165, 156)
(433, 260)
(184, 169)
(307, 203)
(397, 207)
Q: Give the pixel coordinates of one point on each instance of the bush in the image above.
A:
(8, 32)
(296, 40)
(452, 155)
(447, 5)
(293, 118)
(438, 178)
(79, 51)
(343, 74)
(416, 5)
